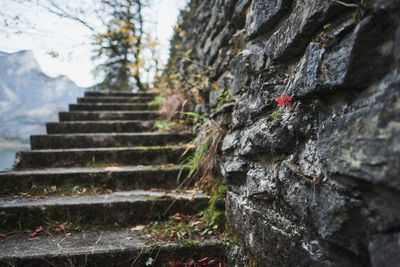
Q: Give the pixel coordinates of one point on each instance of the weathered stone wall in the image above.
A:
(317, 184)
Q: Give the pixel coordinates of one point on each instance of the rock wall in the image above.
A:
(316, 183)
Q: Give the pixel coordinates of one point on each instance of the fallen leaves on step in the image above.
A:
(212, 262)
(113, 166)
(138, 228)
(38, 230)
(82, 191)
(60, 227)
(178, 217)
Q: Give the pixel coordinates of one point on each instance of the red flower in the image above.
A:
(284, 100)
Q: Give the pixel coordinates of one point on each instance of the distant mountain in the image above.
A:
(28, 97)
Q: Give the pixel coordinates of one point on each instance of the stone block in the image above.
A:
(348, 62)
(263, 16)
(294, 34)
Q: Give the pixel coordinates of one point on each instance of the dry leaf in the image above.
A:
(39, 229)
(137, 228)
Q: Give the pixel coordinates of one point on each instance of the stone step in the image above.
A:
(126, 208)
(115, 99)
(108, 115)
(99, 126)
(111, 177)
(110, 106)
(120, 93)
(105, 248)
(98, 156)
(89, 140)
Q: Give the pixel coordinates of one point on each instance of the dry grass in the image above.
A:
(204, 160)
(175, 103)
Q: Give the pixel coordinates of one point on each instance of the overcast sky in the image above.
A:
(71, 40)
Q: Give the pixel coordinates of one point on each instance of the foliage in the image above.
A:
(252, 262)
(222, 99)
(122, 45)
(165, 125)
(149, 261)
(225, 97)
(308, 110)
(184, 74)
(157, 101)
(119, 36)
(195, 115)
(277, 115)
(322, 37)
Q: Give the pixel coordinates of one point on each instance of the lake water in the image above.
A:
(7, 156)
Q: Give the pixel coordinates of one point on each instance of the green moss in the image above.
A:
(252, 262)
(190, 244)
(214, 215)
(356, 17)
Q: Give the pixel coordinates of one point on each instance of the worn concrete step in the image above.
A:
(115, 99)
(99, 126)
(89, 140)
(106, 248)
(126, 208)
(120, 93)
(107, 177)
(82, 157)
(108, 115)
(111, 106)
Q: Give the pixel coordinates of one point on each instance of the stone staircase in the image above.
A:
(106, 142)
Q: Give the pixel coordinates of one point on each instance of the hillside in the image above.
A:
(28, 97)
